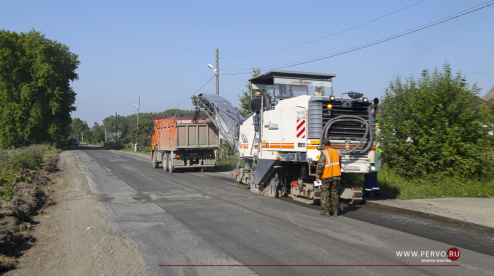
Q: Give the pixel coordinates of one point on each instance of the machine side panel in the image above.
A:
(315, 118)
(272, 130)
(294, 130)
(246, 138)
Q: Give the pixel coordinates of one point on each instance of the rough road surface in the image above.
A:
(72, 236)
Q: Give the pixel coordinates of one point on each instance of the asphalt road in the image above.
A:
(194, 223)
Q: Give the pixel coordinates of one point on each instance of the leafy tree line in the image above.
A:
(35, 94)
(127, 125)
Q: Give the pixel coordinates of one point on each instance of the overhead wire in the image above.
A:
(209, 70)
(233, 66)
(194, 92)
(376, 42)
(321, 38)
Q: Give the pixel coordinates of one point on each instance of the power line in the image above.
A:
(311, 41)
(195, 92)
(410, 31)
(207, 71)
(235, 67)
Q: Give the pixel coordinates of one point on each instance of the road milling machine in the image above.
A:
(280, 143)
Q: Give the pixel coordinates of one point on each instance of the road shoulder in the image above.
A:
(478, 211)
(72, 238)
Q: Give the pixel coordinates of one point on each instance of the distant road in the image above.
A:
(194, 218)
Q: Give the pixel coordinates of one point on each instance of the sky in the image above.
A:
(160, 50)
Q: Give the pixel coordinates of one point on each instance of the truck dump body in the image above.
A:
(175, 133)
(184, 142)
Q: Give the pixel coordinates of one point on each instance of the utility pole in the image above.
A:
(138, 105)
(217, 73)
(116, 127)
(82, 133)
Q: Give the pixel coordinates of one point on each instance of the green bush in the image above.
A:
(435, 125)
(23, 158)
(13, 161)
(227, 163)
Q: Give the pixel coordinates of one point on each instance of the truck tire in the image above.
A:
(170, 164)
(155, 163)
(165, 162)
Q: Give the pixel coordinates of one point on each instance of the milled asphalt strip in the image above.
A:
(458, 233)
(473, 237)
(161, 238)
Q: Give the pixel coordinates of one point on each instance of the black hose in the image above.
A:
(351, 118)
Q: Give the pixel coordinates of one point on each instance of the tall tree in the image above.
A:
(77, 127)
(35, 94)
(435, 125)
(245, 97)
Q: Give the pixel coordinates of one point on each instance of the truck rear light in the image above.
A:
(177, 156)
(330, 106)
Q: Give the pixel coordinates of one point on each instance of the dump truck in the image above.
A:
(280, 144)
(184, 142)
(69, 143)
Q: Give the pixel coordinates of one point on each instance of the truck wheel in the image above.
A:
(170, 164)
(165, 162)
(155, 163)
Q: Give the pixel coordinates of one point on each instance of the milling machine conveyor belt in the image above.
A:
(225, 117)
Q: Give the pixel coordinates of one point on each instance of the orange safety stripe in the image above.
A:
(278, 146)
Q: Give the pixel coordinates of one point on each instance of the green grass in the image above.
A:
(393, 185)
(13, 161)
(227, 163)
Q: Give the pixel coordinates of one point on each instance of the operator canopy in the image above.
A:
(287, 84)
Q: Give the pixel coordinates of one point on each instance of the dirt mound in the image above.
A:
(27, 199)
(14, 215)
(51, 164)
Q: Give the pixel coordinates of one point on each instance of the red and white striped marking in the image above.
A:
(300, 128)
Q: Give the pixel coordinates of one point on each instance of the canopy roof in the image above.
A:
(268, 77)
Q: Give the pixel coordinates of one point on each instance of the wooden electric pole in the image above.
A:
(138, 105)
(116, 127)
(217, 73)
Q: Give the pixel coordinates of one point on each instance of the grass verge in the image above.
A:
(393, 185)
(14, 161)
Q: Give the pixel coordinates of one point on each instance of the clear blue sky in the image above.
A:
(158, 50)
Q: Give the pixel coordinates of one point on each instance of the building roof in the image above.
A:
(489, 95)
